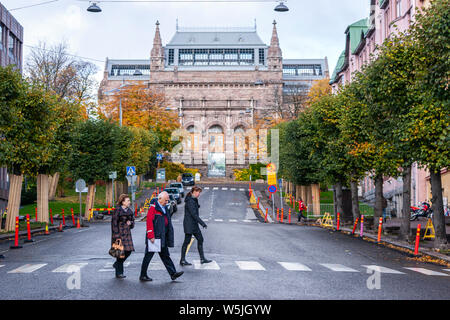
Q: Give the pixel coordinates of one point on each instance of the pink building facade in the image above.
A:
(386, 17)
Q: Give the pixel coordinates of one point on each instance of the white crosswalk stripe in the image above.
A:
(249, 265)
(218, 220)
(2, 265)
(338, 267)
(108, 266)
(215, 188)
(188, 188)
(428, 272)
(241, 189)
(294, 266)
(28, 268)
(232, 220)
(224, 188)
(447, 270)
(157, 265)
(70, 267)
(246, 221)
(233, 189)
(206, 188)
(382, 269)
(207, 266)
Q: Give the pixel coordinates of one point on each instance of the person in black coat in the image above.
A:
(191, 228)
(159, 226)
(121, 224)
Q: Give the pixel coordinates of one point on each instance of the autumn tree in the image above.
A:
(142, 108)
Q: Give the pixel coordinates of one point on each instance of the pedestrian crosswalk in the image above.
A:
(238, 265)
(221, 188)
(220, 220)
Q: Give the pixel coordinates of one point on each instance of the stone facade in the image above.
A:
(219, 82)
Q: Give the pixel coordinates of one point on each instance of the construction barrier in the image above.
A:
(354, 226)
(380, 227)
(278, 214)
(46, 233)
(289, 215)
(282, 214)
(327, 221)
(78, 223)
(267, 211)
(429, 227)
(51, 216)
(60, 228)
(73, 217)
(16, 237)
(416, 249)
(63, 218)
(28, 230)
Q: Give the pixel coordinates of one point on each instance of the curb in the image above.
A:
(25, 233)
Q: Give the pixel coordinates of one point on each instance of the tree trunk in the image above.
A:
(378, 198)
(315, 190)
(42, 198)
(355, 201)
(90, 199)
(53, 185)
(309, 195)
(440, 241)
(297, 192)
(15, 191)
(109, 194)
(405, 227)
(303, 194)
(338, 195)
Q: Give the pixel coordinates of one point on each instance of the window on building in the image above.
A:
(171, 56)
(11, 44)
(1, 36)
(128, 70)
(246, 56)
(290, 70)
(192, 143)
(240, 140)
(398, 8)
(200, 57)
(262, 58)
(216, 139)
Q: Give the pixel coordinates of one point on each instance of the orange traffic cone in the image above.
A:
(46, 230)
(60, 228)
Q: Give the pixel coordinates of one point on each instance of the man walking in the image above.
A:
(159, 226)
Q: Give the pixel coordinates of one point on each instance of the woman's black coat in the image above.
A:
(120, 229)
(191, 216)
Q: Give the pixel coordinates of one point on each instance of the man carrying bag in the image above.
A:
(160, 236)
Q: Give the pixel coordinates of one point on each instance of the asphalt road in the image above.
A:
(252, 260)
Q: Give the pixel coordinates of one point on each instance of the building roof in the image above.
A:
(356, 31)
(339, 65)
(236, 37)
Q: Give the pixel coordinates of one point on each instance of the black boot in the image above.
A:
(202, 255)
(183, 261)
(119, 270)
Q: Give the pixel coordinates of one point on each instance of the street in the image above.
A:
(251, 260)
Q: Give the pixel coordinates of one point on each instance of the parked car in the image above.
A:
(187, 179)
(175, 192)
(172, 205)
(178, 185)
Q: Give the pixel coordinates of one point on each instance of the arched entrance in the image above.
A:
(216, 151)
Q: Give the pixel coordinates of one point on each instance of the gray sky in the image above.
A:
(311, 29)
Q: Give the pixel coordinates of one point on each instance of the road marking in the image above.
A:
(206, 266)
(447, 270)
(2, 265)
(70, 267)
(247, 221)
(205, 219)
(206, 188)
(241, 189)
(81, 231)
(157, 265)
(233, 189)
(108, 266)
(338, 267)
(294, 266)
(249, 265)
(232, 220)
(215, 188)
(383, 269)
(224, 188)
(218, 220)
(428, 272)
(28, 268)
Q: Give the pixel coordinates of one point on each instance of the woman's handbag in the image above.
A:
(116, 250)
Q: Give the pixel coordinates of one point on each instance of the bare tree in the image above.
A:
(59, 72)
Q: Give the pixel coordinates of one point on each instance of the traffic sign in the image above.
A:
(80, 185)
(113, 175)
(131, 171)
(271, 178)
(271, 167)
(272, 188)
(159, 156)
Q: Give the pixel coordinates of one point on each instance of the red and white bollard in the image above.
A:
(416, 249)
(28, 230)
(73, 217)
(361, 231)
(380, 227)
(267, 211)
(16, 238)
(282, 214)
(354, 226)
(278, 214)
(338, 221)
(63, 218)
(35, 213)
(51, 216)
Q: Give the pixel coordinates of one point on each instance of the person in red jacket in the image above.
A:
(159, 226)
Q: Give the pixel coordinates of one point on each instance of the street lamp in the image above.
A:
(281, 7)
(137, 72)
(94, 8)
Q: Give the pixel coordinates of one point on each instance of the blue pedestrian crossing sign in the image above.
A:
(159, 156)
(131, 171)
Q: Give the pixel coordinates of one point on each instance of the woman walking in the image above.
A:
(121, 224)
(190, 224)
